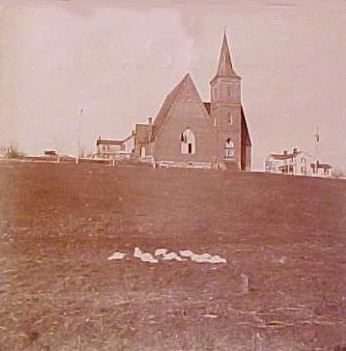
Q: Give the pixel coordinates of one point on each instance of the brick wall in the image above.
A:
(187, 112)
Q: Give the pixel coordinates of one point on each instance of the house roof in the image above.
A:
(287, 156)
(129, 137)
(324, 166)
(108, 142)
(283, 156)
(225, 67)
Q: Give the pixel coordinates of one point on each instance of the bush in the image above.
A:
(12, 151)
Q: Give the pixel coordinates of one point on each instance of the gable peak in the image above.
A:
(187, 77)
(187, 81)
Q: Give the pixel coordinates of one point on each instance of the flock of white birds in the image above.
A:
(166, 255)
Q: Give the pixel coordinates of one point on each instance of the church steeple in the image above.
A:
(225, 86)
(225, 106)
(225, 68)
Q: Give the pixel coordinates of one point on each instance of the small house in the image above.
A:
(295, 162)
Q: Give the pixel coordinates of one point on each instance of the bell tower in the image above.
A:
(225, 109)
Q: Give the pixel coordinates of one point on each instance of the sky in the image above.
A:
(117, 60)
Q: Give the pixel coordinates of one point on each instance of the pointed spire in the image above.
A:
(225, 68)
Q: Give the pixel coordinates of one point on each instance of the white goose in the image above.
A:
(201, 258)
(117, 256)
(144, 256)
(208, 258)
(217, 259)
(160, 252)
(186, 253)
(172, 256)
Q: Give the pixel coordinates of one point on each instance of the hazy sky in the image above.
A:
(118, 59)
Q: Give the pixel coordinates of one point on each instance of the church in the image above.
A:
(188, 132)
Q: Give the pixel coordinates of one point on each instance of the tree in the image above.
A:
(338, 173)
(12, 151)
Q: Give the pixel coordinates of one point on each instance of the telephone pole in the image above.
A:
(80, 114)
(317, 148)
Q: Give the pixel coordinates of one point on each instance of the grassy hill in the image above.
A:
(60, 223)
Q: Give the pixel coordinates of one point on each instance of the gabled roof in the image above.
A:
(168, 103)
(288, 155)
(129, 137)
(225, 68)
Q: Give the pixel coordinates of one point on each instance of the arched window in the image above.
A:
(229, 148)
(188, 142)
(142, 152)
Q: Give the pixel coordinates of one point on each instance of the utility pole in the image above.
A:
(80, 114)
(317, 149)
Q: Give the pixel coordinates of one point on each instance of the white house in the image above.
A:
(115, 149)
(108, 148)
(295, 162)
(321, 169)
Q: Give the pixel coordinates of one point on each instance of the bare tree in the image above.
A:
(338, 173)
(12, 151)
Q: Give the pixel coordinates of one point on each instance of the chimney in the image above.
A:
(150, 120)
(295, 151)
(285, 152)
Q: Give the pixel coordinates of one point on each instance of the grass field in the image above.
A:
(60, 223)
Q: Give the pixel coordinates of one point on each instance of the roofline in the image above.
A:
(288, 155)
(109, 141)
(177, 90)
(128, 138)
